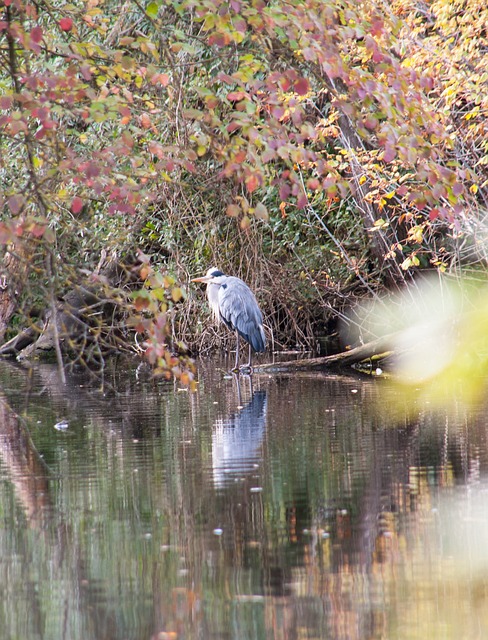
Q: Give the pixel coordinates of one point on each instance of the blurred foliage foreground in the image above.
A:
(437, 333)
(321, 150)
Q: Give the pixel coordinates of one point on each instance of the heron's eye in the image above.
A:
(224, 286)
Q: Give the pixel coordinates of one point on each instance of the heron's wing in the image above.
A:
(240, 311)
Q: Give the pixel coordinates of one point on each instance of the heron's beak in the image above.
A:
(202, 279)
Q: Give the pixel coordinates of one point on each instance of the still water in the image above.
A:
(286, 508)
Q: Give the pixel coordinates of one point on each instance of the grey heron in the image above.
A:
(234, 304)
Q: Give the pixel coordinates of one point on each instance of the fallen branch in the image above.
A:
(366, 354)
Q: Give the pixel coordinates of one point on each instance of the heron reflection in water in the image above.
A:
(236, 441)
(234, 304)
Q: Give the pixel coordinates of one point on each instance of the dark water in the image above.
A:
(298, 507)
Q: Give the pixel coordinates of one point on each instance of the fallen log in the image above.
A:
(87, 322)
(83, 323)
(364, 357)
(23, 339)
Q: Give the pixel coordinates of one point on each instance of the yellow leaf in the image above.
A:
(176, 294)
(245, 223)
(261, 212)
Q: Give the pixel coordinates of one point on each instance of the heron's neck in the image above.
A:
(213, 299)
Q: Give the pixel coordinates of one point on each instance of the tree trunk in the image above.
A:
(12, 276)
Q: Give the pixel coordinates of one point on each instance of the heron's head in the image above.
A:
(210, 276)
(213, 279)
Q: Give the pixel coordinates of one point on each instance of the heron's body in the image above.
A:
(233, 303)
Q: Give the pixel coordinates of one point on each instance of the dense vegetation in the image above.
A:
(320, 149)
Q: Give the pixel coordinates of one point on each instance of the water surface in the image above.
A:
(281, 507)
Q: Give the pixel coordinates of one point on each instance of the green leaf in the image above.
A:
(152, 10)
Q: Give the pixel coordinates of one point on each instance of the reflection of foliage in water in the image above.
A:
(349, 535)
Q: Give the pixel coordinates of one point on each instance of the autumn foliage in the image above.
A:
(340, 144)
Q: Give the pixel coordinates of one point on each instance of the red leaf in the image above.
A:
(284, 191)
(377, 27)
(37, 230)
(278, 112)
(36, 34)
(225, 78)
(6, 102)
(309, 53)
(370, 122)
(15, 204)
(124, 111)
(389, 154)
(91, 169)
(302, 200)
(234, 96)
(284, 83)
(141, 303)
(162, 78)
(252, 183)
(240, 156)
(219, 39)
(302, 86)
(211, 102)
(76, 204)
(232, 126)
(128, 139)
(66, 24)
(85, 72)
(313, 184)
(377, 56)
(156, 149)
(233, 210)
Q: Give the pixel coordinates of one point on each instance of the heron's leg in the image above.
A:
(236, 366)
(247, 368)
(248, 365)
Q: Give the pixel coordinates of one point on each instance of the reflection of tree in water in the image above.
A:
(23, 466)
(45, 560)
(357, 482)
(52, 549)
(347, 491)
